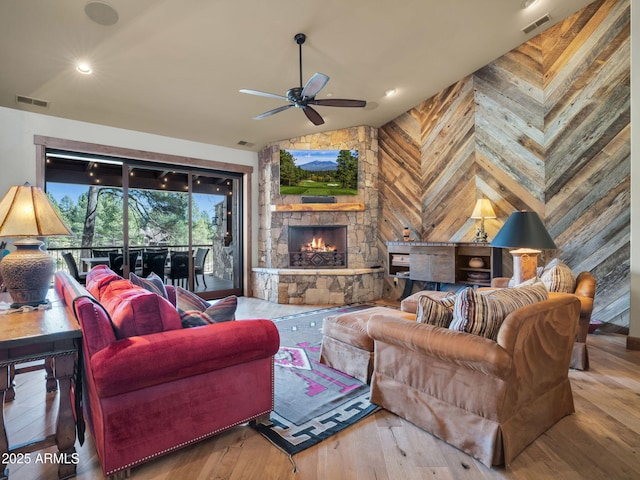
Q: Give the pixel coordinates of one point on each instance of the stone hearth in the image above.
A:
(318, 287)
(274, 279)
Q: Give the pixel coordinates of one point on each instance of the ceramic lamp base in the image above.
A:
(525, 264)
(27, 273)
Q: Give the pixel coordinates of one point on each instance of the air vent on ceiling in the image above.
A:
(244, 143)
(532, 26)
(32, 101)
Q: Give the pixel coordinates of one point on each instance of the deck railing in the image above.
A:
(78, 253)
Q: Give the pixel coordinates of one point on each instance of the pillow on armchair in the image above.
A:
(482, 313)
(435, 311)
(558, 277)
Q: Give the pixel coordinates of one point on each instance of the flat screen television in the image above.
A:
(319, 173)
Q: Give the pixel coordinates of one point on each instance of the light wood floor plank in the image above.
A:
(601, 441)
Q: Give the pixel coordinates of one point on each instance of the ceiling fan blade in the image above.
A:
(271, 112)
(338, 102)
(312, 115)
(263, 94)
(314, 85)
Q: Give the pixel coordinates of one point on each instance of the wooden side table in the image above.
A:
(48, 335)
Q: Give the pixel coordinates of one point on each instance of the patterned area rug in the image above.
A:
(312, 401)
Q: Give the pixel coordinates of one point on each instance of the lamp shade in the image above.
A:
(483, 209)
(25, 211)
(27, 272)
(524, 229)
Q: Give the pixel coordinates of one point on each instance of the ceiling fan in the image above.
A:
(304, 97)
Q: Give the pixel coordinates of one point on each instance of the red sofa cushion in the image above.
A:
(99, 278)
(135, 311)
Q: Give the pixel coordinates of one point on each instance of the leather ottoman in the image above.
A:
(346, 347)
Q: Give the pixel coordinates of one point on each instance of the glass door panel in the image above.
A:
(185, 225)
(158, 223)
(88, 194)
(214, 210)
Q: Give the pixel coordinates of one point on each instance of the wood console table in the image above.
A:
(48, 335)
(443, 262)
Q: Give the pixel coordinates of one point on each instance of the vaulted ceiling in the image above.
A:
(175, 67)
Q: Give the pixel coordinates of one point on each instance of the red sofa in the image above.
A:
(151, 386)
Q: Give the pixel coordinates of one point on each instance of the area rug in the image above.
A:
(312, 401)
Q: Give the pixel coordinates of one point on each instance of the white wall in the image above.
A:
(634, 313)
(18, 153)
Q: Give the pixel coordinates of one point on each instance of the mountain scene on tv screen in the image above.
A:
(319, 172)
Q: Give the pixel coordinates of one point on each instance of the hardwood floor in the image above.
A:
(601, 441)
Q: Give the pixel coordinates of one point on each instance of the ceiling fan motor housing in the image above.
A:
(293, 94)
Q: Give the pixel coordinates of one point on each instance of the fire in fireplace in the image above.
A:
(318, 246)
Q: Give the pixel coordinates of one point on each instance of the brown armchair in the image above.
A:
(488, 398)
(585, 291)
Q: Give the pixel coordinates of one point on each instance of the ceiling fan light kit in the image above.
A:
(303, 97)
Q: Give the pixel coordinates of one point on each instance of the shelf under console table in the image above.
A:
(443, 262)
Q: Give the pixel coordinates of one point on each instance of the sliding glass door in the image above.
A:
(180, 224)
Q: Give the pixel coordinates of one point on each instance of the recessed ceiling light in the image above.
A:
(84, 68)
(528, 3)
(391, 92)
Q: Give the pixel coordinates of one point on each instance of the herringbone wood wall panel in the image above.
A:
(546, 127)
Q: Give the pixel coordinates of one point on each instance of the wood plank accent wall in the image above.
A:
(546, 127)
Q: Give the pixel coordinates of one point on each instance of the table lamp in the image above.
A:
(525, 232)
(25, 212)
(482, 210)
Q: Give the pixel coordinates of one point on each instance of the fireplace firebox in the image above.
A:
(318, 246)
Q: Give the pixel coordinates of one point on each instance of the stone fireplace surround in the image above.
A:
(362, 281)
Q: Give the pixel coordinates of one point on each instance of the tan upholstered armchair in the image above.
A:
(488, 398)
(585, 291)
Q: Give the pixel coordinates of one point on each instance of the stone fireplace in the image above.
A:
(318, 246)
(352, 272)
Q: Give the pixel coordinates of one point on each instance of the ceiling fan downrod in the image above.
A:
(300, 39)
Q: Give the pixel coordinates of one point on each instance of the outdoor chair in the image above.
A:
(116, 262)
(135, 263)
(157, 250)
(154, 261)
(198, 267)
(103, 253)
(81, 277)
(178, 267)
